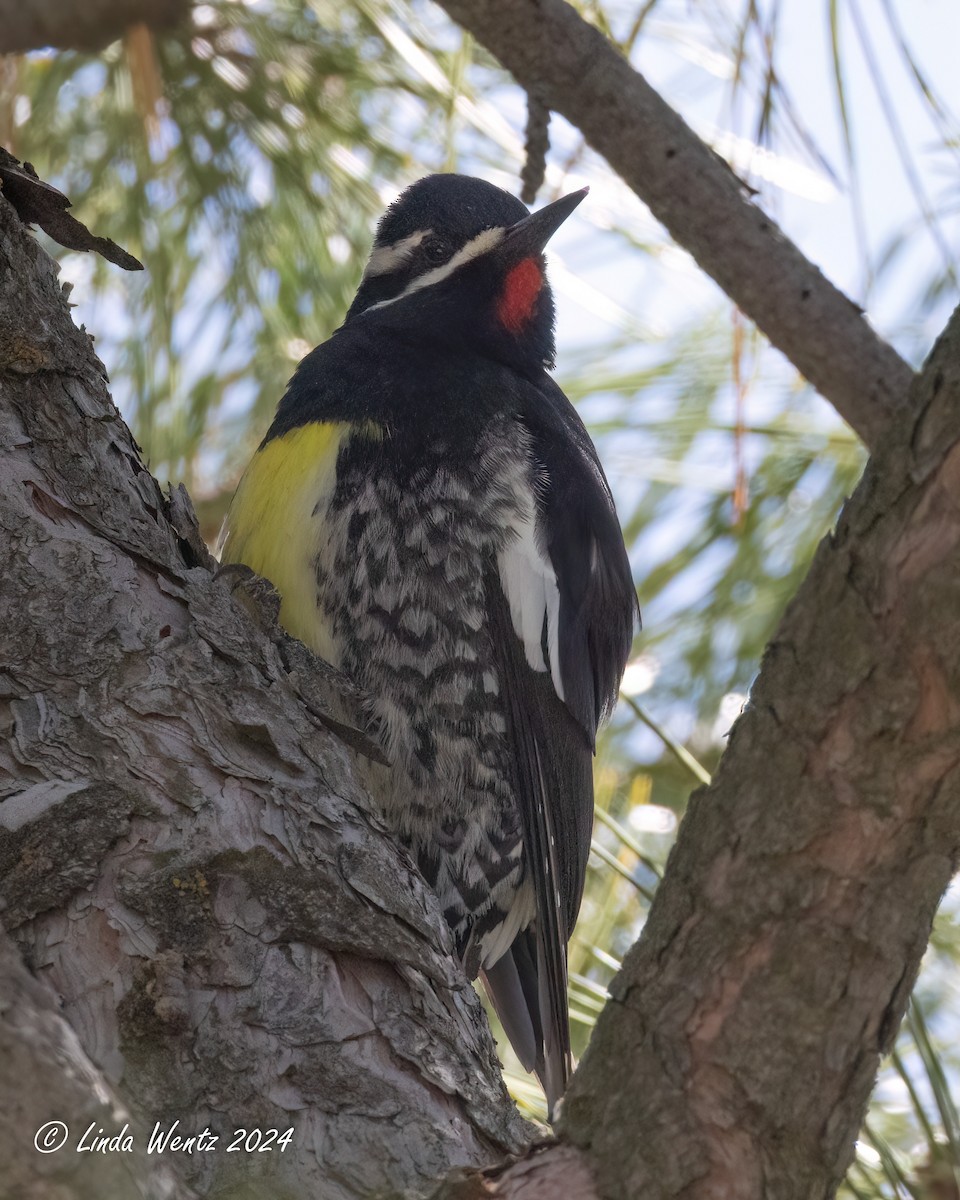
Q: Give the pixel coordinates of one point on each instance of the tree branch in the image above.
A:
(91, 25)
(550, 49)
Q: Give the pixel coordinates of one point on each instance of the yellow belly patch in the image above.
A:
(276, 521)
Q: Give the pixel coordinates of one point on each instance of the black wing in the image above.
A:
(563, 610)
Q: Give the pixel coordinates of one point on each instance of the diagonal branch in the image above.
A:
(87, 26)
(550, 49)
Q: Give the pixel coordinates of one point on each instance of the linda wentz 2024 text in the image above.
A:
(164, 1139)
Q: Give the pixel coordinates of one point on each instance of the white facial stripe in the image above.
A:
(385, 259)
(473, 249)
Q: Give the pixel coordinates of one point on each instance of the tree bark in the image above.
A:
(67, 25)
(787, 934)
(186, 860)
(41, 1057)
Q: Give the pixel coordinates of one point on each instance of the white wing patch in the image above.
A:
(530, 585)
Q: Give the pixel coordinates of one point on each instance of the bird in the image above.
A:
(436, 520)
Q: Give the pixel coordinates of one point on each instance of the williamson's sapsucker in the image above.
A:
(435, 518)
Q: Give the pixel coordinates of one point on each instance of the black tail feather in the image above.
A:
(519, 987)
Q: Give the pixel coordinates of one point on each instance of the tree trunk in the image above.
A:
(787, 934)
(42, 1058)
(187, 861)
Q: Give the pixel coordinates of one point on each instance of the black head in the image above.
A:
(463, 259)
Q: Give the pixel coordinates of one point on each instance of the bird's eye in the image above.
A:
(435, 250)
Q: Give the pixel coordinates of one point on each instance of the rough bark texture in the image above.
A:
(571, 67)
(747, 1024)
(41, 1057)
(89, 25)
(185, 857)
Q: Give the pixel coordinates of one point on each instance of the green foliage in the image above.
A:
(248, 188)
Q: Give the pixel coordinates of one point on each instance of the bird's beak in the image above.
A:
(529, 236)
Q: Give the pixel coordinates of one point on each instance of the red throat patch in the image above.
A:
(518, 300)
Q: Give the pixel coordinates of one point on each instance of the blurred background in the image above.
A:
(245, 156)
